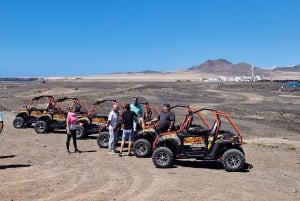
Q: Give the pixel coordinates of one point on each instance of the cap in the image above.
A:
(166, 105)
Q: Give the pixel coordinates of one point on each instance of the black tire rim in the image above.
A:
(162, 158)
(233, 161)
(79, 133)
(18, 123)
(41, 128)
(141, 148)
(104, 140)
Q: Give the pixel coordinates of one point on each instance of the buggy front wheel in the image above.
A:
(162, 157)
(41, 127)
(19, 122)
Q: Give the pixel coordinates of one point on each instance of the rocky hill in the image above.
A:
(222, 67)
(226, 68)
(289, 69)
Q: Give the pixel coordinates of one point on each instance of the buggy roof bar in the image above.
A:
(66, 98)
(104, 100)
(180, 105)
(39, 97)
(201, 109)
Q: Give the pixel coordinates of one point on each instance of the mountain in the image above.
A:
(149, 71)
(288, 69)
(223, 67)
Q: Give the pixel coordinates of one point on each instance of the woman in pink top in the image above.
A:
(71, 130)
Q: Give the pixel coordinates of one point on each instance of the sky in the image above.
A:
(91, 37)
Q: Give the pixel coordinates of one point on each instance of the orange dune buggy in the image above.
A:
(214, 136)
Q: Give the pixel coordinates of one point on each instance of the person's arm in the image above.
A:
(108, 120)
(67, 124)
(141, 110)
(153, 120)
(172, 121)
(171, 125)
(1, 126)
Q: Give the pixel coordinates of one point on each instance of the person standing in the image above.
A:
(128, 119)
(138, 109)
(1, 122)
(147, 116)
(166, 119)
(113, 128)
(51, 103)
(71, 130)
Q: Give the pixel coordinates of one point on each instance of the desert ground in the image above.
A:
(36, 167)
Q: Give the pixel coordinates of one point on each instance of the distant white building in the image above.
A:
(234, 79)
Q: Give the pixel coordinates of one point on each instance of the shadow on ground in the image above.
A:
(88, 151)
(207, 165)
(9, 156)
(14, 166)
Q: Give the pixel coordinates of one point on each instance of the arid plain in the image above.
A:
(35, 166)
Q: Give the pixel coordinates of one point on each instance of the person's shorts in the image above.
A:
(128, 135)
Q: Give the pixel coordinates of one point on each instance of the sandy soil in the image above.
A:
(35, 167)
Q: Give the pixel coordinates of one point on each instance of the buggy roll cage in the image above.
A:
(98, 102)
(61, 100)
(35, 100)
(216, 113)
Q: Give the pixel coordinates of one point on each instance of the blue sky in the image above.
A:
(87, 37)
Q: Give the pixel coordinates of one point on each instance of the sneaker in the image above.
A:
(68, 152)
(120, 154)
(77, 151)
(111, 152)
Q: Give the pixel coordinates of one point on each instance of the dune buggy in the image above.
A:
(96, 119)
(57, 118)
(215, 137)
(33, 111)
(145, 138)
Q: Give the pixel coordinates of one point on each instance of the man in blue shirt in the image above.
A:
(138, 109)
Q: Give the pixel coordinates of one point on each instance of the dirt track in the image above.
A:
(35, 167)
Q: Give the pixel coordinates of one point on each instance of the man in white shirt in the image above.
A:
(113, 128)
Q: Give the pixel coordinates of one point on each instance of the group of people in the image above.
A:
(132, 117)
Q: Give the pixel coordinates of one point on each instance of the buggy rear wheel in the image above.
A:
(19, 122)
(233, 160)
(142, 148)
(41, 127)
(80, 132)
(103, 139)
(162, 157)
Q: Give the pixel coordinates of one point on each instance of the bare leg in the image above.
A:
(122, 145)
(129, 146)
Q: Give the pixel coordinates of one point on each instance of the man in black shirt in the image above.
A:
(128, 118)
(166, 119)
